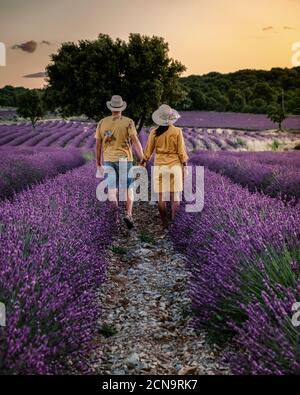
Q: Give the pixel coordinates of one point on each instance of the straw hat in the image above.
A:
(165, 116)
(116, 104)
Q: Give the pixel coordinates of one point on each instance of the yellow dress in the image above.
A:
(170, 153)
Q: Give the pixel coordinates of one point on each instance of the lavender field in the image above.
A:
(59, 134)
(242, 252)
(234, 120)
(51, 266)
(274, 174)
(243, 255)
(77, 134)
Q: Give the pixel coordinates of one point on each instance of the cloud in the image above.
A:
(275, 29)
(268, 28)
(29, 46)
(41, 74)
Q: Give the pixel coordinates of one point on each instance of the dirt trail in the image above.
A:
(144, 327)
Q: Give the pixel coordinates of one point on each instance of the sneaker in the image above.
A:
(129, 222)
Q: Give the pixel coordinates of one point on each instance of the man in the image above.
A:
(114, 136)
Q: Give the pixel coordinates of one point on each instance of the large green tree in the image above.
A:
(83, 76)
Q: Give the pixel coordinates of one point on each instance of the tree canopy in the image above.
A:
(9, 95)
(83, 76)
(30, 105)
(254, 91)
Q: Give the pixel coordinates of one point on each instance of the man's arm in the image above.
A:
(98, 138)
(98, 152)
(149, 146)
(137, 144)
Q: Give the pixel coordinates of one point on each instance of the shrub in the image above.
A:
(19, 171)
(244, 260)
(51, 266)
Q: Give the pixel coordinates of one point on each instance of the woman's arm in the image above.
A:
(183, 156)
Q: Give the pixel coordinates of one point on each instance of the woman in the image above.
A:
(167, 143)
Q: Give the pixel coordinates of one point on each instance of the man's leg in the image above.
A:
(128, 192)
(129, 205)
(129, 202)
(113, 177)
(113, 198)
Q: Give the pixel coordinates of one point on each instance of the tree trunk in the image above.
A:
(33, 122)
(141, 122)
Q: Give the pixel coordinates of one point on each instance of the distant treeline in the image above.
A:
(9, 95)
(253, 91)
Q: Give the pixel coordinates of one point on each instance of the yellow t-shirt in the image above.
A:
(115, 134)
(169, 147)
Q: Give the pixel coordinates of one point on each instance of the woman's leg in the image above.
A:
(162, 210)
(175, 202)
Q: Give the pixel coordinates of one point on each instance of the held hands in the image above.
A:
(143, 162)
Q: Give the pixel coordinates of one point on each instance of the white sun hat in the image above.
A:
(116, 104)
(165, 116)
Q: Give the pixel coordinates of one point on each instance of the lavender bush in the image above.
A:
(18, 170)
(273, 175)
(51, 266)
(243, 254)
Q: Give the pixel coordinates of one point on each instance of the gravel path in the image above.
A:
(145, 308)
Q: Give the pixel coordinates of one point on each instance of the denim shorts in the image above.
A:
(116, 174)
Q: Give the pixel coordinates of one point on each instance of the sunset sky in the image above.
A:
(205, 35)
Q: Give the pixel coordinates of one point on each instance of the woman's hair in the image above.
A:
(160, 130)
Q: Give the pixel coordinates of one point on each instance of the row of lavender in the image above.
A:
(236, 140)
(51, 266)
(59, 134)
(275, 174)
(231, 140)
(244, 263)
(22, 168)
(81, 135)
